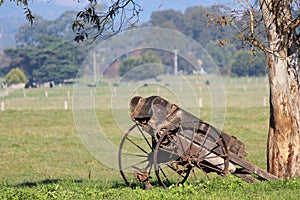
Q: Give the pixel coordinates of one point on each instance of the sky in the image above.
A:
(48, 9)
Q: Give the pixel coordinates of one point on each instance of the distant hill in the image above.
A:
(46, 9)
(12, 17)
(8, 29)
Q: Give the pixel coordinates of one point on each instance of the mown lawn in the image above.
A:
(43, 157)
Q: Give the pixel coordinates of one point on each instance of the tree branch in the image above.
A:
(90, 23)
(257, 43)
(251, 20)
(295, 23)
(27, 11)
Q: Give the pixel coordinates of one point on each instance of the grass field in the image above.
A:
(43, 157)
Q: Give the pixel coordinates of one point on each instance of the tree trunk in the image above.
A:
(283, 151)
(284, 133)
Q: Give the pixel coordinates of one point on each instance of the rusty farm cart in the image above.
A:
(168, 145)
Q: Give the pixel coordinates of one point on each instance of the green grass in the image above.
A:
(38, 145)
(230, 188)
(43, 157)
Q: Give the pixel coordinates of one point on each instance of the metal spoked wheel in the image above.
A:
(188, 154)
(136, 157)
(169, 166)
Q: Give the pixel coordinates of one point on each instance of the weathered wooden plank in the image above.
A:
(253, 169)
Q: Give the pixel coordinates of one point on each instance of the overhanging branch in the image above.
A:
(295, 23)
(27, 11)
(257, 43)
(92, 23)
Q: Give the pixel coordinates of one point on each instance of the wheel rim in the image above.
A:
(178, 156)
(135, 157)
(169, 168)
(213, 153)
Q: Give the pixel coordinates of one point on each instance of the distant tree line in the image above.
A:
(46, 51)
(137, 64)
(16, 76)
(231, 57)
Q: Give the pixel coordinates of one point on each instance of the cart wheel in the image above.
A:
(190, 152)
(136, 158)
(213, 155)
(169, 166)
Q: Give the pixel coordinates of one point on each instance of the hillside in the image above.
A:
(12, 17)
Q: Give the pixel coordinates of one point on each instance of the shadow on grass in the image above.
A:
(101, 183)
(43, 182)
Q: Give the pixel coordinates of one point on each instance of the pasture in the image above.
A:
(42, 155)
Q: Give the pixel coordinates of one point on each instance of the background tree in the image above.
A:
(168, 19)
(4, 63)
(133, 67)
(222, 55)
(29, 35)
(238, 61)
(16, 76)
(246, 64)
(196, 20)
(258, 67)
(193, 22)
(53, 59)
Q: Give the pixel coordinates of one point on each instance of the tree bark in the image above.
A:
(284, 132)
(283, 150)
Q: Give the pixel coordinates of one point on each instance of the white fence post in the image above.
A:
(200, 102)
(2, 106)
(265, 101)
(66, 105)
